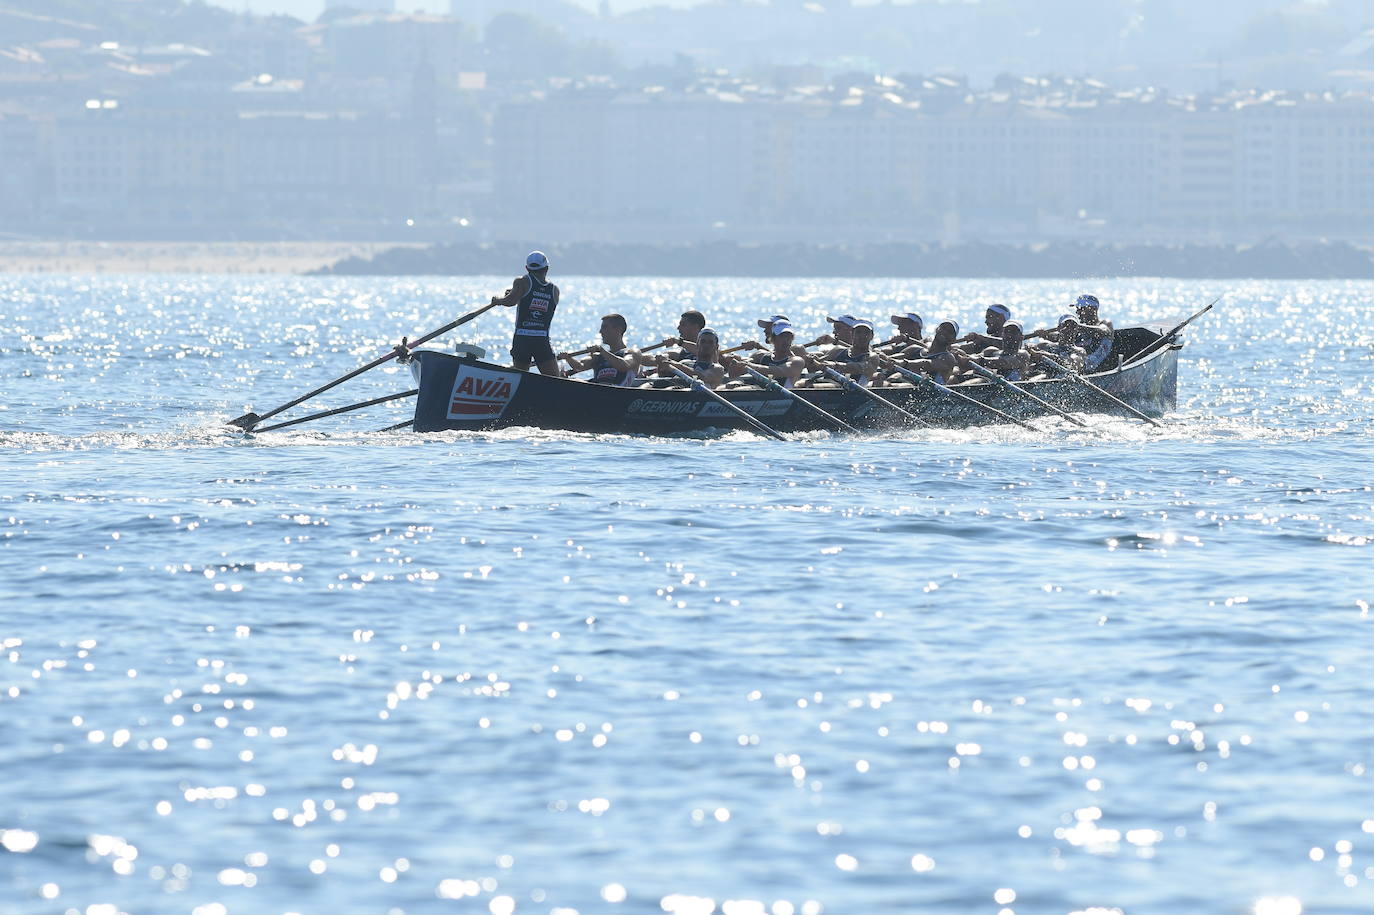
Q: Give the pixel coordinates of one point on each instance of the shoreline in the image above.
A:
(971, 260)
(289, 258)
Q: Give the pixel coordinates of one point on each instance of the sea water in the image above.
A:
(986, 670)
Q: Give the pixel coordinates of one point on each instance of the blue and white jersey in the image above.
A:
(534, 313)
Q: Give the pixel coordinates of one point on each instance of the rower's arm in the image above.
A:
(627, 363)
(575, 365)
(513, 294)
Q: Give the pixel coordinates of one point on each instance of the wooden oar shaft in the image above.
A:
(1168, 338)
(918, 378)
(1079, 379)
(697, 385)
(336, 411)
(993, 376)
(250, 420)
(848, 383)
(772, 385)
(643, 349)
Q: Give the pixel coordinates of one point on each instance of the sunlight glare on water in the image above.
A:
(1107, 670)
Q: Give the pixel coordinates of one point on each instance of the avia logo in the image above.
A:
(498, 389)
(480, 394)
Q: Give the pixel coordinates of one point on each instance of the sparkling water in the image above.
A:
(989, 670)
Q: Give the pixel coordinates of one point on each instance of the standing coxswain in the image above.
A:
(536, 300)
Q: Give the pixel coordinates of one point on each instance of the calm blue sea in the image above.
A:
(979, 671)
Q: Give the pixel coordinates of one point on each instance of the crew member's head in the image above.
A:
(995, 317)
(537, 263)
(613, 329)
(1012, 336)
(689, 325)
(781, 335)
(767, 325)
(909, 325)
(842, 327)
(708, 345)
(946, 332)
(1086, 306)
(863, 334)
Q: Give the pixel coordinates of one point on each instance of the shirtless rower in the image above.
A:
(706, 366)
(537, 299)
(1095, 336)
(614, 363)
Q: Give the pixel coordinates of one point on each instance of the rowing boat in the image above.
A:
(465, 392)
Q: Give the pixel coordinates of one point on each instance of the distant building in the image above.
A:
(205, 166)
(374, 45)
(939, 161)
(361, 6)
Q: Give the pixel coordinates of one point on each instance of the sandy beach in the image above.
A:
(98, 257)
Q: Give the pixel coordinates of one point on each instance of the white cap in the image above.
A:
(773, 319)
(846, 320)
(863, 322)
(1002, 310)
(951, 322)
(780, 327)
(536, 260)
(708, 332)
(909, 316)
(1067, 319)
(1015, 324)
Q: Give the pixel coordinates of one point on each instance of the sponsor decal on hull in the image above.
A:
(481, 394)
(644, 406)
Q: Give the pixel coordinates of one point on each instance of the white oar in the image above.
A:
(696, 385)
(772, 385)
(850, 384)
(1074, 376)
(993, 376)
(919, 378)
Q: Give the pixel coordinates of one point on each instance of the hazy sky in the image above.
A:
(309, 9)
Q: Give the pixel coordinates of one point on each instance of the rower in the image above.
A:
(537, 299)
(1061, 346)
(994, 319)
(841, 332)
(908, 342)
(857, 360)
(613, 364)
(706, 366)
(782, 363)
(688, 326)
(942, 359)
(1095, 336)
(1011, 361)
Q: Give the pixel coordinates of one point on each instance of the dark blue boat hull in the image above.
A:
(460, 392)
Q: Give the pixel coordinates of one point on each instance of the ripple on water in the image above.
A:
(537, 671)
